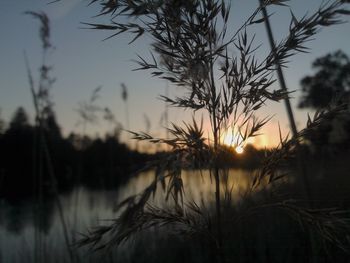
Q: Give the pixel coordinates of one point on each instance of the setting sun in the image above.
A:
(235, 141)
(239, 149)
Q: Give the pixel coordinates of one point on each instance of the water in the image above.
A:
(19, 234)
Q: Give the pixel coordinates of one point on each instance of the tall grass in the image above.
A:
(43, 110)
(224, 80)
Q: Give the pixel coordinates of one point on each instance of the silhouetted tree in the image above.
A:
(16, 156)
(2, 125)
(51, 126)
(19, 120)
(331, 80)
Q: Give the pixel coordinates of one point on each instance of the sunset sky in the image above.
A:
(82, 61)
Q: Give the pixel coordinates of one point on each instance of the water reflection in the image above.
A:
(198, 185)
(83, 208)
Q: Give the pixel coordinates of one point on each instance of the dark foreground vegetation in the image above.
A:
(296, 203)
(281, 217)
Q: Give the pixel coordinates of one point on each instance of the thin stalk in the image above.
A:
(126, 109)
(300, 156)
(35, 207)
(127, 115)
(46, 154)
(37, 171)
(301, 165)
(40, 197)
(57, 198)
(166, 115)
(279, 70)
(216, 134)
(80, 171)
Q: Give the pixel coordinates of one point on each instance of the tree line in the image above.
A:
(76, 159)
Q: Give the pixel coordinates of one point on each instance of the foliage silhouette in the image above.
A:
(20, 120)
(330, 83)
(331, 80)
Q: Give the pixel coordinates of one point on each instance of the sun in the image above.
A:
(239, 149)
(235, 141)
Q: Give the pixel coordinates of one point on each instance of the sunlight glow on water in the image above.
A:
(199, 186)
(95, 207)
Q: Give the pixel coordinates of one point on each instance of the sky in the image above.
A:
(82, 61)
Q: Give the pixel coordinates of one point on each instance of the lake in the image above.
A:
(21, 234)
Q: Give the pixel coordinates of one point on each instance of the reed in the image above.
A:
(43, 110)
(227, 84)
